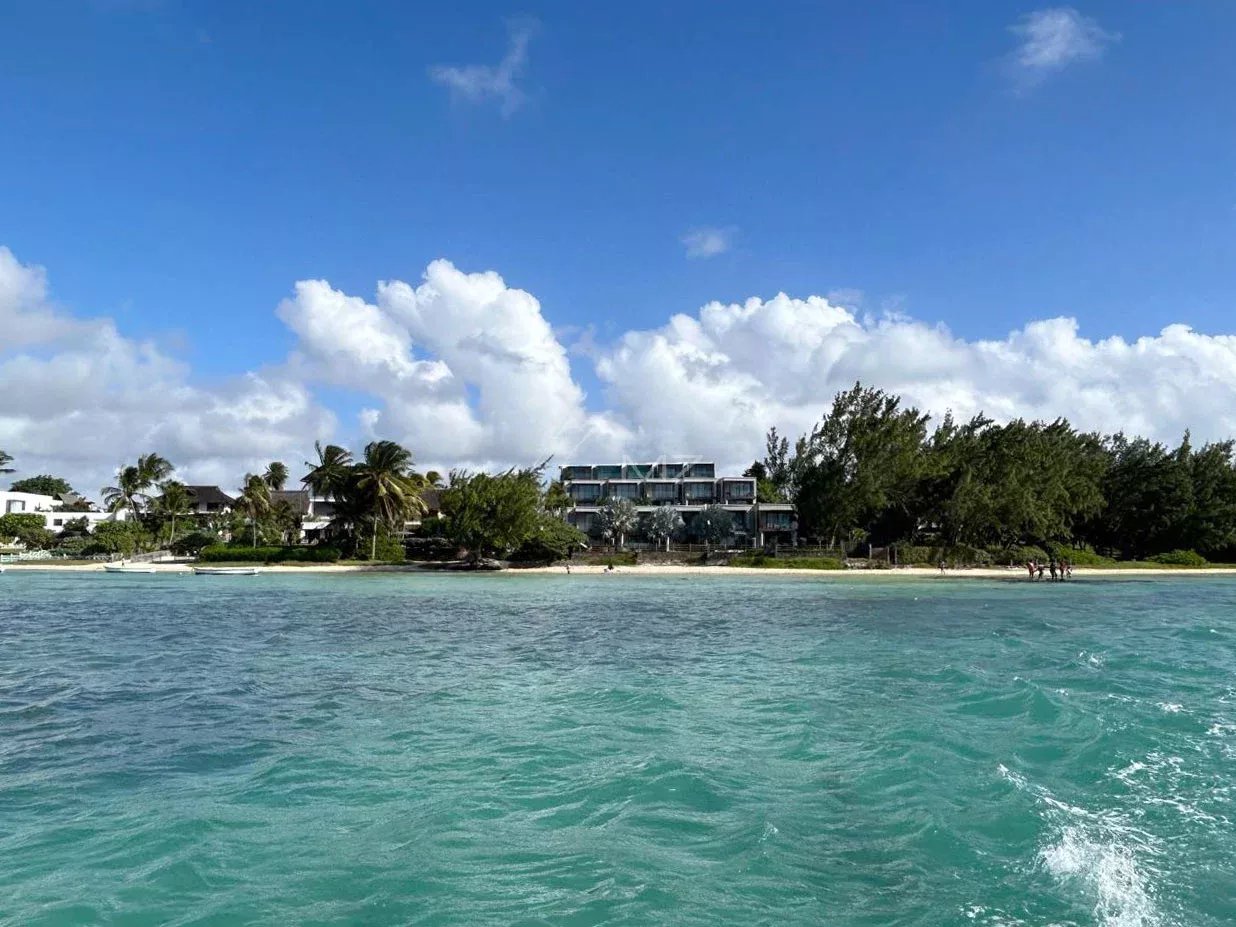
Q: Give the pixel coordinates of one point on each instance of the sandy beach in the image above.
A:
(900, 573)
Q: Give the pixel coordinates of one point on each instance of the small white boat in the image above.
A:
(226, 571)
(127, 568)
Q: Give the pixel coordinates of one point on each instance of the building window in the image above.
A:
(577, 473)
(739, 489)
(669, 471)
(636, 471)
(624, 490)
(607, 473)
(703, 470)
(661, 492)
(697, 492)
(584, 492)
(58, 522)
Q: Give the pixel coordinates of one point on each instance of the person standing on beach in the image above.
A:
(1039, 569)
(1030, 568)
(1052, 567)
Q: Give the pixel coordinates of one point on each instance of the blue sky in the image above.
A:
(177, 167)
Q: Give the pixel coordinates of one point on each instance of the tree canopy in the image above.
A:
(43, 484)
(872, 471)
(497, 514)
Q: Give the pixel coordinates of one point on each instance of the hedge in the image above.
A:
(220, 553)
(1180, 558)
(787, 563)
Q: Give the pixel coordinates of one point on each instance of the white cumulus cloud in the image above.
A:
(466, 369)
(713, 382)
(78, 399)
(1052, 39)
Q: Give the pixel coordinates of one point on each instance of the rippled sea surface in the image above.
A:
(552, 750)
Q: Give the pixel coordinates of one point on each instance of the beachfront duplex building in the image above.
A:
(688, 486)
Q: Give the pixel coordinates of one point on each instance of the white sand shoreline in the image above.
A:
(901, 573)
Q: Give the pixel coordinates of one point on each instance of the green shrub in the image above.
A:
(787, 563)
(193, 543)
(1188, 558)
(1080, 556)
(1020, 555)
(219, 553)
(961, 554)
(319, 554)
(810, 563)
(911, 554)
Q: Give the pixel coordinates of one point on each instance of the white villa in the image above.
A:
(52, 510)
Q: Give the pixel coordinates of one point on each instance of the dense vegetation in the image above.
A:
(43, 485)
(873, 472)
(506, 515)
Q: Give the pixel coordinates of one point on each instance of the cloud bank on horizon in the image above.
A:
(467, 371)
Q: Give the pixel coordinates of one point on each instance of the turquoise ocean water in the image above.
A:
(552, 750)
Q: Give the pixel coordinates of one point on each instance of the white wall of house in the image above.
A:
(29, 503)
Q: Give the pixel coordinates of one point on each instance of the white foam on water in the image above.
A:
(1106, 869)
(1171, 708)
(1098, 854)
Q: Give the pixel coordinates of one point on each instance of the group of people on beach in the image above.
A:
(1060, 570)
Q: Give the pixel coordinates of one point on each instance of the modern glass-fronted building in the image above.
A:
(688, 486)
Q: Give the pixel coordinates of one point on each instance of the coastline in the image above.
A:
(918, 574)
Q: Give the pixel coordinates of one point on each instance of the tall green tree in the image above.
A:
(126, 493)
(858, 468)
(276, 475)
(390, 492)
(134, 482)
(330, 475)
(152, 469)
(493, 514)
(172, 502)
(617, 518)
(664, 523)
(254, 502)
(713, 524)
(43, 485)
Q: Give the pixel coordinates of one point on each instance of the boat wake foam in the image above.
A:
(1099, 855)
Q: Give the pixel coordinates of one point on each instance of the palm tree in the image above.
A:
(5, 460)
(387, 487)
(286, 518)
(618, 518)
(126, 491)
(276, 475)
(173, 501)
(153, 469)
(254, 501)
(330, 475)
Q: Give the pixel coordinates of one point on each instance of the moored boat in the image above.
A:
(126, 568)
(226, 571)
